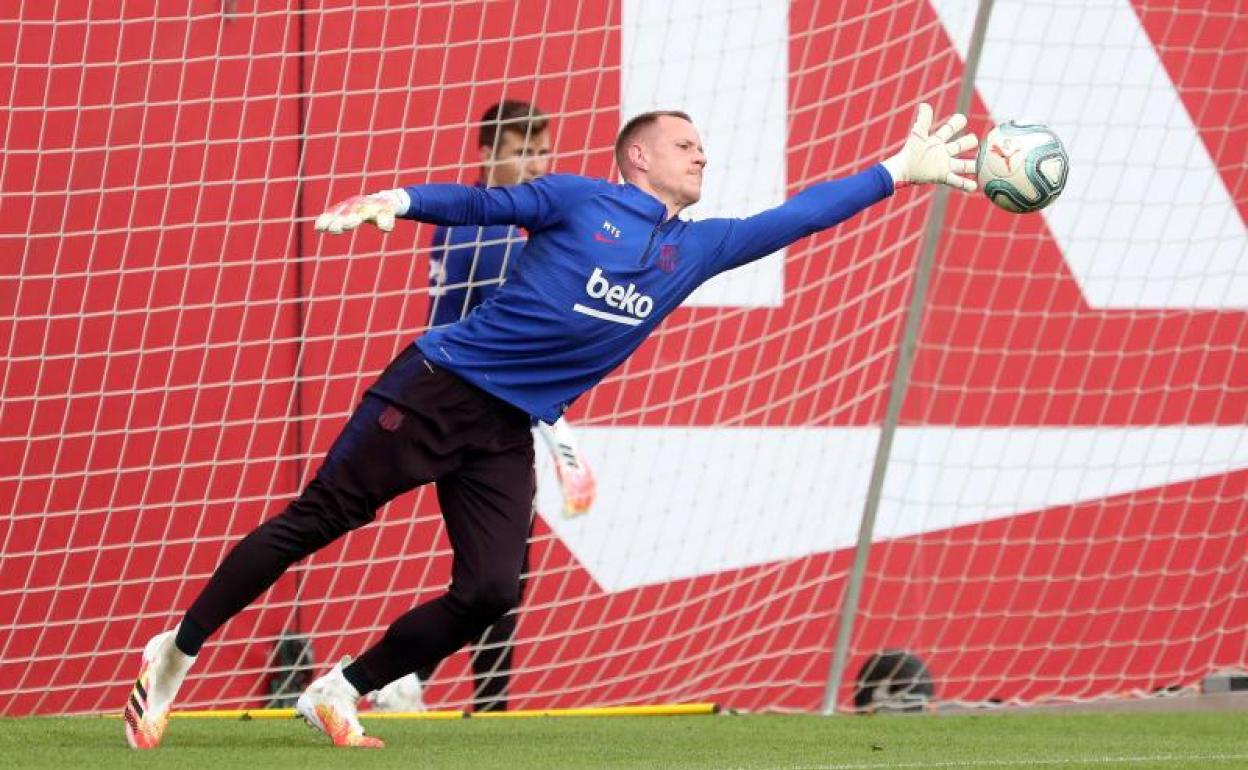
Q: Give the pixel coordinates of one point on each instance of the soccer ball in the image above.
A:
(1022, 166)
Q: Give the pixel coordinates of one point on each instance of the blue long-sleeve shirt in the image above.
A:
(467, 266)
(602, 267)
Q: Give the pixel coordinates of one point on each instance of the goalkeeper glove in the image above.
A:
(576, 479)
(931, 156)
(378, 208)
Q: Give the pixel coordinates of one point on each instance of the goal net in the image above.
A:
(1063, 513)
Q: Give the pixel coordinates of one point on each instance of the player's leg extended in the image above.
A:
(491, 665)
(494, 653)
(367, 466)
(486, 506)
(377, 456)
(354, 481)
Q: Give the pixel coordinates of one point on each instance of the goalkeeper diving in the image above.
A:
(603, 265)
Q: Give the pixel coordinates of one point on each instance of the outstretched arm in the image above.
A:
(925, 157)
(532, 205)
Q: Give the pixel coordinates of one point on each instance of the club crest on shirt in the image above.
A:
(667, 257)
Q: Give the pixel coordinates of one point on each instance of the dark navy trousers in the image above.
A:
(418, 423)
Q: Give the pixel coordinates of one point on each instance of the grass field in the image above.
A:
(1195, 741)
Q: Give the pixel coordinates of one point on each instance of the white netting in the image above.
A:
(1064, 514)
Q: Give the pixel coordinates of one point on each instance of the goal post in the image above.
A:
(896, 398)
(1063, 515)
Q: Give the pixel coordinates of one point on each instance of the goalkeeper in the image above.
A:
(467, 266)
(604, 264)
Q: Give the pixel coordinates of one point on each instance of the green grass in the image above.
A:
(1203, 740)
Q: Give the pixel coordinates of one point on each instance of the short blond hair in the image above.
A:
(636, 125)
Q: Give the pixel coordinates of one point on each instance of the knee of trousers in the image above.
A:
(488, 600)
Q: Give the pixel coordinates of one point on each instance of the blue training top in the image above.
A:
(601, 268)
(467, 266)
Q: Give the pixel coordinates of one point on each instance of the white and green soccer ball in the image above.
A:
(1022, 166)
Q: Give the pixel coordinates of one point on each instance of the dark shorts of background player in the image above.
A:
(418, 423)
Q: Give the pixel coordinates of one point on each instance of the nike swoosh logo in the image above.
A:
(604, 239)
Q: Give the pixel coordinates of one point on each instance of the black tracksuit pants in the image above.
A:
(418, 423)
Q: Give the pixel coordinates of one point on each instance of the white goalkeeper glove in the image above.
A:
(378, 208)
(930, 157)
(576, 478)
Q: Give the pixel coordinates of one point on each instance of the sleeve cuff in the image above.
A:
(402, 198)
(893, 167)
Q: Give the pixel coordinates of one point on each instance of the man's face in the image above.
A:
(517, 158)
(674, 159)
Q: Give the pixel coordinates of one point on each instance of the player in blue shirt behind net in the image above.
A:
(604, 264)
(467, 266)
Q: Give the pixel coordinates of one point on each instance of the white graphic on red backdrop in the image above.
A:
(1161, 232)
(1146, 221)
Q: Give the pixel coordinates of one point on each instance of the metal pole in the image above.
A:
(897, 390)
